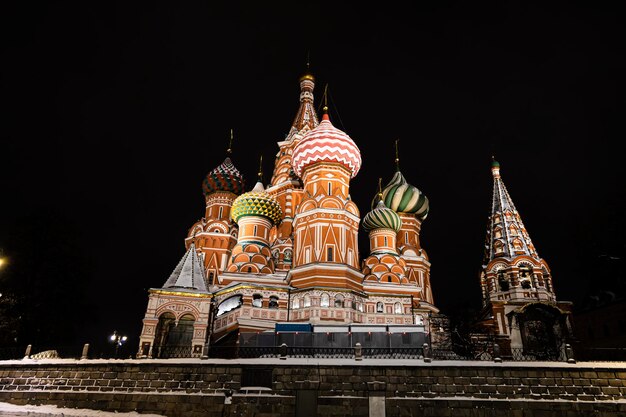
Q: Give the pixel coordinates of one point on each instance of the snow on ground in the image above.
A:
(323, 361)
(7, 409)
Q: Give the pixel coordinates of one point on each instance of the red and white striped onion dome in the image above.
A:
(326, 143)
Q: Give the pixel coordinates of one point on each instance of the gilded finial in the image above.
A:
(308, 61)
(325, 108)
(230, 143)
(380, 188)
(261, 168)
(397, 156)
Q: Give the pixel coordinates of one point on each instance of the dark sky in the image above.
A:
(114, 112)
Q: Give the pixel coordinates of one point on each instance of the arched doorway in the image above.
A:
(543, 330)
(173, 340)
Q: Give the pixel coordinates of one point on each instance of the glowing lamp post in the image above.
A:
(118, 339)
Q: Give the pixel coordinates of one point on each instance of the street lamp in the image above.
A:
(118, 339)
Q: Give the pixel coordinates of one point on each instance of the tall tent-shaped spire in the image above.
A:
(506, 234)
(306, 116)
(189, 273)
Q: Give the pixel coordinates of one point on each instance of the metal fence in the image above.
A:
(250, 346)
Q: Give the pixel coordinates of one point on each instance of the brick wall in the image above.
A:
(324, 387)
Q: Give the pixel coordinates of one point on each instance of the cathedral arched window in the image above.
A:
(380, 308)
(325, 301)
(257, 300)
(339, 300)
(517, 244)
(498, 246)
(503, 282)
(220, 212)
(329, 254)
(307, 301)
(295, 304)
(397, 308)
(386, 244)
(497, 233)
(287, 256)
(273, 301)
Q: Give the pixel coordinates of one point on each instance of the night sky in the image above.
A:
(114, 113)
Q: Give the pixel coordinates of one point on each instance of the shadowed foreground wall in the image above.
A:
(298, 387)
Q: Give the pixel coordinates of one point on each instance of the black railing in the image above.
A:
(461, 355)
(394, 353)
(525, 355)
(169, 352)
(320, 352)
(251, 349)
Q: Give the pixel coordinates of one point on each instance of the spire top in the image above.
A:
(380, 188)
(397, 156)
(308, 60)
(260, 174)
(495, 167)
(229, 151)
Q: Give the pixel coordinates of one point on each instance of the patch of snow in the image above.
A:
(7, 409)
(324, 361)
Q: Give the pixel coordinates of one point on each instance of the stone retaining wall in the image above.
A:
(324, 387)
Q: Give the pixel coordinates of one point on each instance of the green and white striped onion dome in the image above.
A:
(381, 218)
(402, 197)
(256, 203)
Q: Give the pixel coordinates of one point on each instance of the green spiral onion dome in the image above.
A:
(225, 177)
(381, 218)
(402, 197)
(256, 203)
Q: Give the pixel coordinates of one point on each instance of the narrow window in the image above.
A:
(273, 301)
(397, 308)
(329, 254)
(257, 300)
(386, 241)
(211, 274)
(221, 211)
(379, 307)
(249, 269)
(338, 300)
(406, 237)
(254, 230)
(325, 300)
(329, 190)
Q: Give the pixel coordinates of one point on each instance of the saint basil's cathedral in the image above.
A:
(285, 257)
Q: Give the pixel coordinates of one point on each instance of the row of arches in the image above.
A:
(339, 301)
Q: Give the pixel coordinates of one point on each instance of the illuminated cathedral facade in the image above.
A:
(287, 252)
